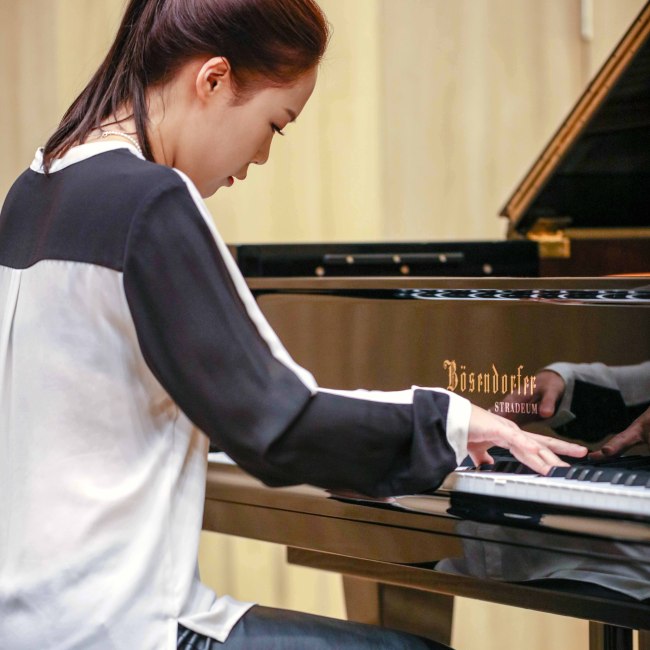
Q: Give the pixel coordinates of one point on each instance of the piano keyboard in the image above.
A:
(621, 486)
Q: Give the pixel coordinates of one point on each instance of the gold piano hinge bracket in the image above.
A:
(551, 238)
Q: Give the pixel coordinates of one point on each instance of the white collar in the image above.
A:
(79, 153)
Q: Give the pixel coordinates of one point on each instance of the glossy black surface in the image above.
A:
(460, 259)
(566, 550)
(388, 336)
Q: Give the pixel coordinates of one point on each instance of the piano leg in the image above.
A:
(399, 608)
(609, 637)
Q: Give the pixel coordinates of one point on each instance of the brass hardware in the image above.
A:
(551, 237)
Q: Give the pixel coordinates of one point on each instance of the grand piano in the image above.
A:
(483, 321)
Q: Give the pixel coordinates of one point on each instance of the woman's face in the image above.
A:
(215, 135)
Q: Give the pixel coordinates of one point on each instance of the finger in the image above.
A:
(534, 462)
(481, 457)
(621, 442)
(538, 457)
(561, 446)
(553, 460)
(548, 403)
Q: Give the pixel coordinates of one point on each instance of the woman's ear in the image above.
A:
(213, 77)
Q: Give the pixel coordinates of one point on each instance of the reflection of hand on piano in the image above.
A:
(536, 451)
(549, 389)
(637, 433)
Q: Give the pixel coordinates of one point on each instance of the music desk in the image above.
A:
(388, 558)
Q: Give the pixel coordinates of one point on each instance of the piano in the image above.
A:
(475, 320)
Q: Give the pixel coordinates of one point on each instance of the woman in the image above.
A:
(128, 339)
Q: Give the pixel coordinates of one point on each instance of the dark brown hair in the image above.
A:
(265, 41)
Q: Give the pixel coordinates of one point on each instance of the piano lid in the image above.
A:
(595, 171)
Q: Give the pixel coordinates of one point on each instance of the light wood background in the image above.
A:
(427, 114)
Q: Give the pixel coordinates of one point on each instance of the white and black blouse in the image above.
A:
(128, 340)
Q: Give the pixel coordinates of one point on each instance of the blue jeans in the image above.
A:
(265, 628)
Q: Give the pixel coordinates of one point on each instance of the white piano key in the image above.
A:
(601, 497)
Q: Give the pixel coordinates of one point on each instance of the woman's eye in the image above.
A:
(277, 129)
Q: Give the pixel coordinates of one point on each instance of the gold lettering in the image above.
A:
(460, 378)
(450, 366)
(515, 407)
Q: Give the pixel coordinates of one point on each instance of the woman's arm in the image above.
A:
(205, 339)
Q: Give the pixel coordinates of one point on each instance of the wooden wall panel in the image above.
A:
(28, 83)
(323, 181)
(471, 92)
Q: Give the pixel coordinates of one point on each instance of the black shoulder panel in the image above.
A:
(81, 213)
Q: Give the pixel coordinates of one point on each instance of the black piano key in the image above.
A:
(584, 473)
(638, 478)
(613, 475)
(620, 470)
(619, 477)
(508, 466)
(573, 471)
(604, 474)
(524, 469)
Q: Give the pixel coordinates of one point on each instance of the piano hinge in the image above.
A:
(551, 238)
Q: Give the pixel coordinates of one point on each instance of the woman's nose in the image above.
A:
(263, 154)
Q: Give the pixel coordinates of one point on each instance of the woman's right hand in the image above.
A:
(533, 450)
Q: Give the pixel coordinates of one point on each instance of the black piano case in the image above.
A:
(450, 259)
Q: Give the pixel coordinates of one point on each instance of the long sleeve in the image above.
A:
(598, 399)
(204, 338)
